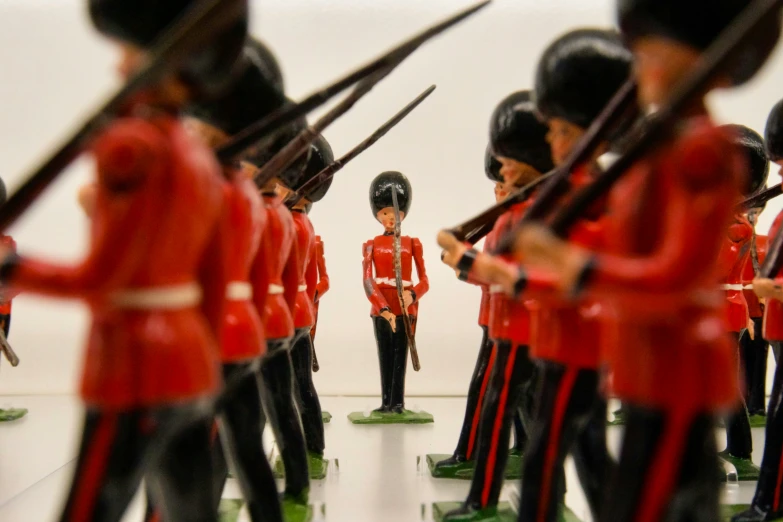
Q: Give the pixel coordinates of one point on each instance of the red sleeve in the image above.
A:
(418, 257)
(705, 187)
(370, 287)
(323, 276)
(291, 277)
(213, 280)
(259, 275)
(128, 155)
(311, 274)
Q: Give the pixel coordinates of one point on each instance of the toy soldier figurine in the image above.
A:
(519, 142)
(464, 454)
(241, 418)
(768, 501)
(323, 278)
(659, 268)
(154, 280)
(378, 267)
(735, 254)
(304, 313)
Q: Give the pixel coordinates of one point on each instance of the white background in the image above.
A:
(54, 68)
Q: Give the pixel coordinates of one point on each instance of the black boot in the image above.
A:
(755, 514)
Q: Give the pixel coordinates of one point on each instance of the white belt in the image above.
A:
(391, 282)
(173, 297)
(496, 289)
(276, 289)
(736, 287)
(239, 291)
(302, 288)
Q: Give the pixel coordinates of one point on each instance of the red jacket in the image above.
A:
(323, 279)
(244, 219)
(668, 219)
(734, 253)
(773, 312)
(154, 242)
(381, 288)
(7, 294)
(484, 318)
(280, 258)
(304, 311)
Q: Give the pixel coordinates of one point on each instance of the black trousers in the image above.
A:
(307, 397)
(478, 385)
(666, 471)
(769, 490)
(5, 323)
(393, 360)
(569, 417)
(511, 370)
(282, 411)
(167, 446)
(755, 353)
(739, 441)
(241, 424)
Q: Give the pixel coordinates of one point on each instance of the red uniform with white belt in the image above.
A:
(669, 216)
(304, 319)
(154, 281)
(323, 280)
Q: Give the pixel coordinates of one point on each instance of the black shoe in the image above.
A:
(755, 514)
(454, 460)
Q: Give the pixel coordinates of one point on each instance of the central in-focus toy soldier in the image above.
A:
(153, 278)
(379, 279)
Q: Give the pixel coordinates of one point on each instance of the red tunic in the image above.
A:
(244, 219)
(734, 253)
(668, 219)
(304, 311)
(280, 258)
(773, 312)
(154, 233)
(381, 288)
(7, 294)
(484, 318)
(323, 279)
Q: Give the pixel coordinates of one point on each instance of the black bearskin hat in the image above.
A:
(492, 166)
(516, 133)
(579, 73)
(773, 134)
(260, 154)
(752, 146)
(250, 97)
(381, 192)
(698, 25)
(267, 61)
(141, 22)
(321, 156)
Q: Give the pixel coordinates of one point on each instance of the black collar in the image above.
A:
(388, 233)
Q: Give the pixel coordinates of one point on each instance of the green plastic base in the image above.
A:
(758, 421)
(464, 471)
(729, 510)
(618, 418)
(296, 512)
(12, 414)
(407, 417)
(503, 513)
(318, 467)
(326, 416)
(229, 509)
(746, 470)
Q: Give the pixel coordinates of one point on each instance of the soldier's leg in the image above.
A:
(241, 431)
(309, 405)
(110, 465)
(594, 465)
(739, 442)
(181, 470)
(283, 414)
(476, 391)
(757, 400)
(399, 366)
(385, 344)
(5, 321)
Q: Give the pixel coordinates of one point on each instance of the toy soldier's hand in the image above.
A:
(87, 195)
(407, 298)
(751, 329)
(453, 249)
(391, 318)
(766, 288)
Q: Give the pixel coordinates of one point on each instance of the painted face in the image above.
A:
(562, 137)
(659, 65)
(131, 58)
(210, 136)
(386, 217)
(282, 190)
(516, 174)
(779, 163)
(500, 192)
